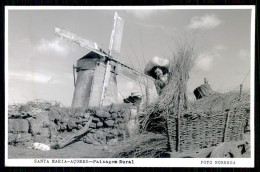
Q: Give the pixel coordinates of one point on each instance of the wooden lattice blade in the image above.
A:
(116, 37)
(69, 36)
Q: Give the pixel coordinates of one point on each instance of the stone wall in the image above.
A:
(50, 124)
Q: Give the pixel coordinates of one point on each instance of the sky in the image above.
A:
(40, 63)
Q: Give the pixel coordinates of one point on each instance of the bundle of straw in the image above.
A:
(172, 100)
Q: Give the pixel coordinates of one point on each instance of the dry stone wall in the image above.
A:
(49, 124)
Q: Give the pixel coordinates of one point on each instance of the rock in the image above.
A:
(18, 125)
(121, 126)
(21, 137)
(11, 137)
(126, 115)
(24, 137)
(74, 130)
(96, 120)
(80, 126)
(124, 107)
(54, 114)
(40, 122)
(64, 119)
(84, 120)
(109, 123)
(87, 140)
(45, 132)
(86, 115)
(100, 124)
(63, 127)
(105, 108)
(45, 125)
(93, 125)
(100, 135)
(81, 114)
(41, 139)
(102, 114)
(115, 108)
(57, 127)
(72, 125)
(54, 133)
(114, 115)
(78, 121)
(112, 142)
(119, 120)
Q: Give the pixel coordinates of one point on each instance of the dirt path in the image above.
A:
(75, 150)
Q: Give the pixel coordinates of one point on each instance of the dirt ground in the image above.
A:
(75, 150)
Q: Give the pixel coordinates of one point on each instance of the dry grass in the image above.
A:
(145, 145)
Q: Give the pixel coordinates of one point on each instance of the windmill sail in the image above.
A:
(122, 69)
(65, 34)
(116, 37)
(134, 75)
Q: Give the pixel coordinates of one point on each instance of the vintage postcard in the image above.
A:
(157, 86)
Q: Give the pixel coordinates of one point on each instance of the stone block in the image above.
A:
(93, 125)
(86, 116)
(21, 137)
(95, 120)
(18, 125)
(80, 126)
(114, 115)
(24, 137)
(102, 114)
(41, 121)
(115, 108)
(45, 132)
(109, 123)
(100, 124)
(63, 127)
(41, 139)
(54, 114)
(11, 137)
(72, 125)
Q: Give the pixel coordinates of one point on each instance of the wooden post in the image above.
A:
(240, 92)
(66, 141)
(226, 127)
(205, 81)
(147, 95)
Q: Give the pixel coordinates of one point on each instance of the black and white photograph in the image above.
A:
(157, 86)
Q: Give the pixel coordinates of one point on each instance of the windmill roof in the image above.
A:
(93, 55)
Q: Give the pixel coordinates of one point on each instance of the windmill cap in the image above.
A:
(154, 63)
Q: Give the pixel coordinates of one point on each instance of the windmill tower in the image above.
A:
(96, 83)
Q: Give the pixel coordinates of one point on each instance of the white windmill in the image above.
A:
(96, 83)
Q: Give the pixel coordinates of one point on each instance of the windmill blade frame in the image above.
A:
(69, 36)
